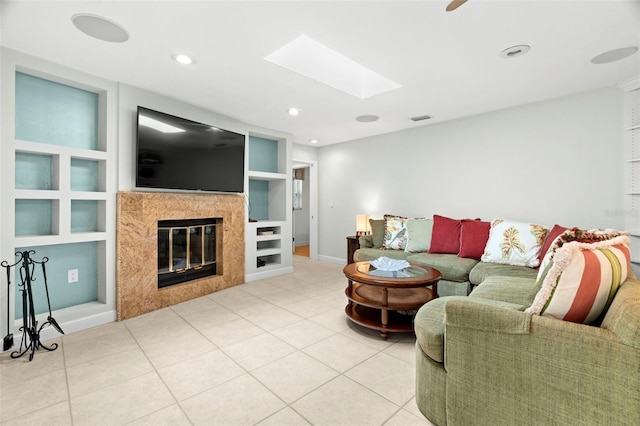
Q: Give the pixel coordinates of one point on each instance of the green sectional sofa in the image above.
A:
(483, 359)
(459, 274)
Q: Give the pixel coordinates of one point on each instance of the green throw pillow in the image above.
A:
(377, 230)
(419, 235)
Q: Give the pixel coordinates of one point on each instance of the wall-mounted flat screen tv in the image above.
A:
(180, 154)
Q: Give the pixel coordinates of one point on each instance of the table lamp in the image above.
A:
(362, 225)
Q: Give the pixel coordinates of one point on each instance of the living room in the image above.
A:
(557, 157)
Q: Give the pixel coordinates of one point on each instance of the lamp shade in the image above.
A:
(362, 224)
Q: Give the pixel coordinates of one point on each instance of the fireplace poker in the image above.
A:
(51, 319)
(8, 339)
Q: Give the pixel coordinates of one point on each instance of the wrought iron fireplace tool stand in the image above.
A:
(30, 331)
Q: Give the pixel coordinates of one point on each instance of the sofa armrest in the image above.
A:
(504, 366)
(366, 241)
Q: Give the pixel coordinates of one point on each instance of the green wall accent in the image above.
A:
(85, 175)
(33, 217)
(263, 155)
(62, 257)
(55, 113)
(33, 171)
(258, 199)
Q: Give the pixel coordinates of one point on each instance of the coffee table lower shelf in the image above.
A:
(371, 318)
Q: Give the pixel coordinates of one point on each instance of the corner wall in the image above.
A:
(557, 161)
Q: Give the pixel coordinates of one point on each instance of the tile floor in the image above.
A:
(274, 352)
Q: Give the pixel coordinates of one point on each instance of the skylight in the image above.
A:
(314, 60)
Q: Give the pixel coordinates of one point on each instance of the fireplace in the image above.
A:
(187, 250)
(139, 214)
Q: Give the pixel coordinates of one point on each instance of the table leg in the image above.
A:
(385, 312)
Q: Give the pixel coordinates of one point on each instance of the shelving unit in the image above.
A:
(59, 190)
(268, 233)
(632, 166)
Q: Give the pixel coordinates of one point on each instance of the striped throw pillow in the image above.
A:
(578, 280)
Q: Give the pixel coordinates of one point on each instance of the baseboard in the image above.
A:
(332, 259)
(268, 274)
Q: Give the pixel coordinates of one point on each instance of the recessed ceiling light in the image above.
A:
(515, 51)
(183, 58)
(314, 60)
(100, 28)
(368, 118)
(313, 141)
(293, 111)
(614, 55)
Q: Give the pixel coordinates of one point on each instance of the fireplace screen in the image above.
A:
(186, 250)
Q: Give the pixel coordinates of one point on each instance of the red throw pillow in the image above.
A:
(551, 235)
(474, 235)
(445, 237)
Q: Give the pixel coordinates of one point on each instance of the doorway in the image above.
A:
(304, 204)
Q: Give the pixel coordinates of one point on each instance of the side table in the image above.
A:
(353, 244)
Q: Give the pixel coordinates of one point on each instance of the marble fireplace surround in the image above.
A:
(138, 214)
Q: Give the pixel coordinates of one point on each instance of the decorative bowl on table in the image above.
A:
(387, 264)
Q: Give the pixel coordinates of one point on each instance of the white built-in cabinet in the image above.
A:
(269, 207)
(58, 188)
(632, 166)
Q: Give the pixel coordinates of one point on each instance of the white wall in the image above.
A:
(304, 153)
(557, 161)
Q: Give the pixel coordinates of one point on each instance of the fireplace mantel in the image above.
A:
(137, 255)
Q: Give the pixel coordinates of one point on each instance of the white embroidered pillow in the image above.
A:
(514, 243)
(579, 280)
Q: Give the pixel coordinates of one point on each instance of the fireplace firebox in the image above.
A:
(187, 250)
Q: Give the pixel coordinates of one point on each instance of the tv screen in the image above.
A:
(176, 153)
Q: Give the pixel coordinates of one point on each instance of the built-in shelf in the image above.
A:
(60, 128)
(266, 176)
(268, 237)
(632, 166)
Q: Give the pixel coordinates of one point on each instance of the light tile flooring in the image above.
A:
(274, 352)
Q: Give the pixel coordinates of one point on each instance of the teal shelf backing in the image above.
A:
(85, 175)
(54, 113)
(84, 216)
(34, 171)
(34, 217)
(258, 200)
(62, 257)
(263, 155)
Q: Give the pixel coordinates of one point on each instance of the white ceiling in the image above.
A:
(446, 62)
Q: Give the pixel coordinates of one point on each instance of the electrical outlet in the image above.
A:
(72, 276)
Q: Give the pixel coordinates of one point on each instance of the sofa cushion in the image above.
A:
(445, 237)
(579, 280)
(377, 232)
(368, 254)
(418, 235)
(623, 315)
(514, 243)
(516, 290)
(473, 238)
(452, 267)
(485, 269)
(395, 232)
(429, 324)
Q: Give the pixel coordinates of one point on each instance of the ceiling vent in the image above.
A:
(421, 117)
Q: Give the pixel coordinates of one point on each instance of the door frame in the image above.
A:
(313, 204)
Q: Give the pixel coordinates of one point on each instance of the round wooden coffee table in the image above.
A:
(387, 301)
